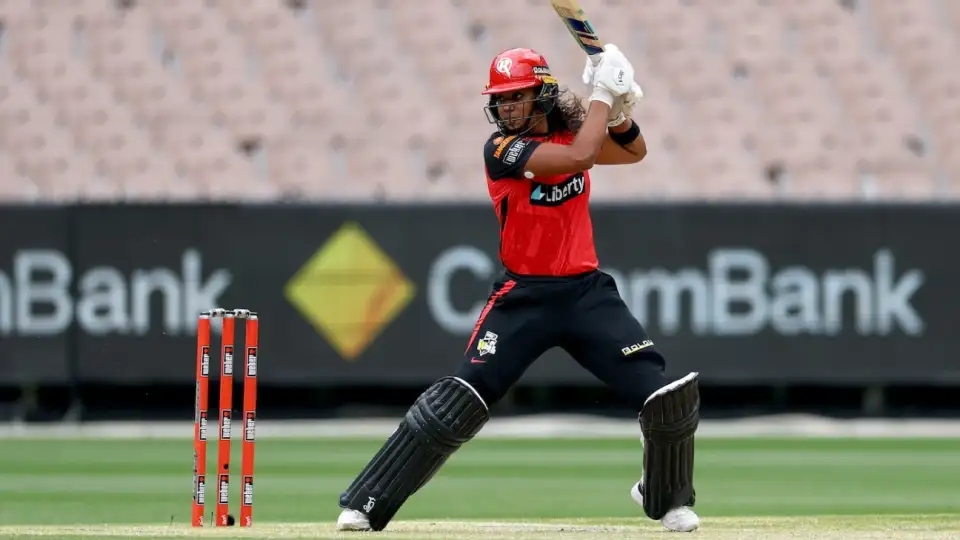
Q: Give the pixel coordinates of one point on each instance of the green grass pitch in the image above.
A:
(492, 488)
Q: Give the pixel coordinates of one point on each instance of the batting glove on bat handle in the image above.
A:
(590, 69)
(617, 114)
(631, 98)
(623, 107)
(614, 73)
(604, 95)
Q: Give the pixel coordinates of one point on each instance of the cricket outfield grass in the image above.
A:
(500, 488)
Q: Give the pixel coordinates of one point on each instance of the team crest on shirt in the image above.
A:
(557, 194)
(487, 344)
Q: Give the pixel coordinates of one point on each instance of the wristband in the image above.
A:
(627, 136)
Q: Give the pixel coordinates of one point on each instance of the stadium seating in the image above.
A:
(380, 99)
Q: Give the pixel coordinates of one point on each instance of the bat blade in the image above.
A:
(579, 26)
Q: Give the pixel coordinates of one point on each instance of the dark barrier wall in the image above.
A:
(381, 294)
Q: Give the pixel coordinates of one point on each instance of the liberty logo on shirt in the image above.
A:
(557, 194)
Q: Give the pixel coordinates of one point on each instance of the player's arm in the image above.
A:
(612, 79)
(524, 158)
(521, 158)
(549, 159)
(624, 145)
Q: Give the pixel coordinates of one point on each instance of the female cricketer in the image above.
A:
(551, 294)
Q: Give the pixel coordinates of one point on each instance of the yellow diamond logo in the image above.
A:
(350, 290)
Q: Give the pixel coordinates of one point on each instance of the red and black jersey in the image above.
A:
(545, 226)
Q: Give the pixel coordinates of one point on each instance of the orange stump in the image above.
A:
(201, 404)
(249, 420)
(222, 516)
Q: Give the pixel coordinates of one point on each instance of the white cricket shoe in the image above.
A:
(353, 520)
(680, 519)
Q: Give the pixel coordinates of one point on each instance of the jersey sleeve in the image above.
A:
(505, 157)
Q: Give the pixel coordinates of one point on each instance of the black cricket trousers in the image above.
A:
(584, 315)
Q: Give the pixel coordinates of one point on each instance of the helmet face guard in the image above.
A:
(543, 105)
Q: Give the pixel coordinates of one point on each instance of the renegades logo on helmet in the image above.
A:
(504, 65)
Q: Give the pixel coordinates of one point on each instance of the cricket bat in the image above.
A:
(579, 27)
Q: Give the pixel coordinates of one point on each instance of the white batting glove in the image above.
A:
(622, 108)
(613, 76)
(616, 116)
(588, 70)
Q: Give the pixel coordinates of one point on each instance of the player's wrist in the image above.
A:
(619, 124)
(622, 126)
(625, 136)
(602, 95)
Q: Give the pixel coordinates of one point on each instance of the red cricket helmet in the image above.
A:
(519, 69)
(516, 69)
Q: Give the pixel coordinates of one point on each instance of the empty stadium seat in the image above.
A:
(823, 181)
(293, 64)
(908, 185)
(14, 185)
(658, 177)
(718, 166)
(217, 68)
(952, 176)
(42, 149)
(299, 167)
(752, 35)
(251, 99)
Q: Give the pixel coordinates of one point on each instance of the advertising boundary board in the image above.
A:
(388, 294)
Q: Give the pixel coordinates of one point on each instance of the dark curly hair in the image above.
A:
(563, 110)
(567, 114)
